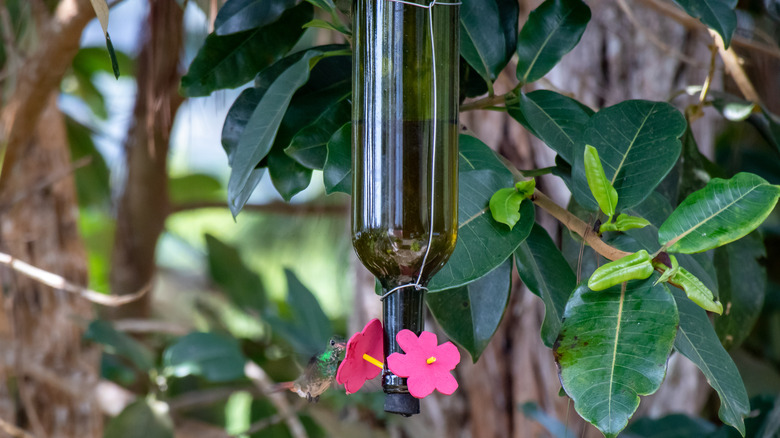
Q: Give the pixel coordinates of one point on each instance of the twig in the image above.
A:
(206, 397)
(59, 282)
(150, 326)
(271, 207)
(50, 180)
(734, 68)
(14, 431)
(259, 425)
(653, 38)
(258, 376)
(575, 224)
(483, 103)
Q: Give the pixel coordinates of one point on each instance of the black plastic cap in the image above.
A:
(402, 404)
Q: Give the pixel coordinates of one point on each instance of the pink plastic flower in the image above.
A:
(426, 364)
(363, 360)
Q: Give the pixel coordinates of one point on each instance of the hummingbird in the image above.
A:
(319, 373)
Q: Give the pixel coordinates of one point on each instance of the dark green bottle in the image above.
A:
(398, 173)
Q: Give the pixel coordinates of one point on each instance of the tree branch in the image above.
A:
(59, 282)
(277, 207)
(575, 224)
(258, 376)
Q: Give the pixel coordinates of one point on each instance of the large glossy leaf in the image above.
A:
(240, 15)
(718, 15)
(470, 314)
(613, 348)
(485, 46)
(552, 30)
(696, 340)
(120, 344)
(483, 243)
(742, 287)
(545, 271)
(638, 143)
(239, 283)
(670, 426)
(557, 120)
(259, 134)
(232, 60)
(215, 357)
(721, 212)
(142, 419)
(337, 172)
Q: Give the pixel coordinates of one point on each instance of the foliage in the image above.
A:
(634, 165)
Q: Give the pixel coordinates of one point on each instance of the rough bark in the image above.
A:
(52, 369)
(143, 207)
(45, 371)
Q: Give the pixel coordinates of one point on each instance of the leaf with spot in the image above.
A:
(696, 340)
(723, 211)
(551, 31)
(483, 243)
(546, 273)
(638, 142)
(470, 314)
(613, 348)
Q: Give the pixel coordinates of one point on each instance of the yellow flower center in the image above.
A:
(431, 360)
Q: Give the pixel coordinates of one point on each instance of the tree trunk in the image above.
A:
(144, 204)
(45, 370)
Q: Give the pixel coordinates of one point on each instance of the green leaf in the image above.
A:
(600, 187)
(141, 419)
(557, 120)
(625, 222)
(718, 15)
(485, 46)
(721, 212)
(232, 60)
(742, 287)
(308, 328)
(214, 357)
(309, 145)
(92, 180)
(638, 143)
(241, 15)
(505, 206)
(326, 5)
(120, 344)
(240, 284)
(258, 136)
(674, 425)
(696, 340)
(470, 314)
(471, 83)
(337, 172)
(288, 176)
(613, 348)
(546, 273)
(552, 30)
(322, 24)
(483, 243)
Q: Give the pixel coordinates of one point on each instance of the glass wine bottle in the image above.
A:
(405, 158)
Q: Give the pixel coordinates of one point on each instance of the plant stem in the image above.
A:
(576, 224)
(484, 103)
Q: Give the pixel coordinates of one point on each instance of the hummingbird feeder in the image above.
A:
(405, 159)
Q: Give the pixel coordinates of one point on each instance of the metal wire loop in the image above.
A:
(416, 286)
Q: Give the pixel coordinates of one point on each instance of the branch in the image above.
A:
(734, 68)
(483, 103)
(258, 376)
(14, 431)
(277, 207)
(576, 224)
(59, 282)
